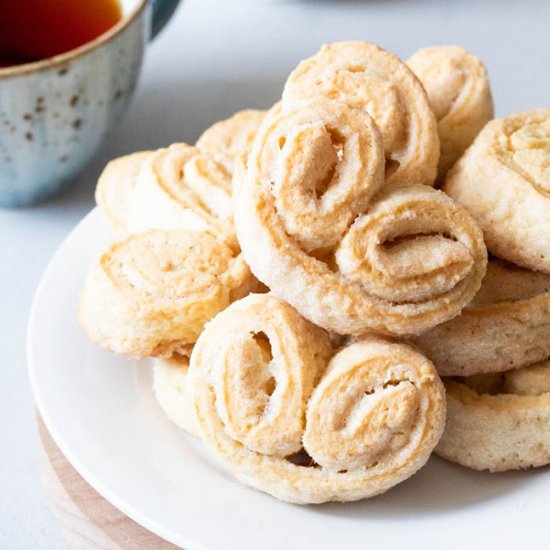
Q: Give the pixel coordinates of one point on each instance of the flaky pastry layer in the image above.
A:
(499, 422)
(506, 326)
(291, 416)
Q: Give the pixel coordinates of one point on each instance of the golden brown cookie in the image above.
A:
(316, 228)
(284, 422)
(369, 78)
(507, 325)
(499, 422)
(152, 293)
(458, 89)
(503, 179)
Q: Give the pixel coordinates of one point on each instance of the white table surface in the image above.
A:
(214, 58)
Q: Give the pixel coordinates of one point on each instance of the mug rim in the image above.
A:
(62, 58)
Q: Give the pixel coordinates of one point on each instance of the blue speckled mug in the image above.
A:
(54, 113)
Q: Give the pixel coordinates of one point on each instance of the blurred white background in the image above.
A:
(214, 58)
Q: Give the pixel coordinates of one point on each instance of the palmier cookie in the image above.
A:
(152, 293)
(285, 422)
(312, 229)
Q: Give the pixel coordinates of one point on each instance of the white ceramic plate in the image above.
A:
(101, 411)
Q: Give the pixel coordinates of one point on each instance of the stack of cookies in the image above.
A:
(303, 285)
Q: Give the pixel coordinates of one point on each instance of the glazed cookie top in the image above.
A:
(169, 265)
(152, 293)
(521, 143)
(325, 162)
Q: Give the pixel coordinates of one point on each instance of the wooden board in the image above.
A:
(87, 520)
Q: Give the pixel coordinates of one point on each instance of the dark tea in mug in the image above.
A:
(31, 30)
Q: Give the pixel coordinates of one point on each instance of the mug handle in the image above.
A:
(162, 12)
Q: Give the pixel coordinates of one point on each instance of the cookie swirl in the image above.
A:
(370, 422)
(324, 164)
(182, 188)
(499, 422)
(378, 409)
(312, 230)
(369, 78)
(503, 179)
(259, 374)
(458, 89)
(152, 293)
(414, 245)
